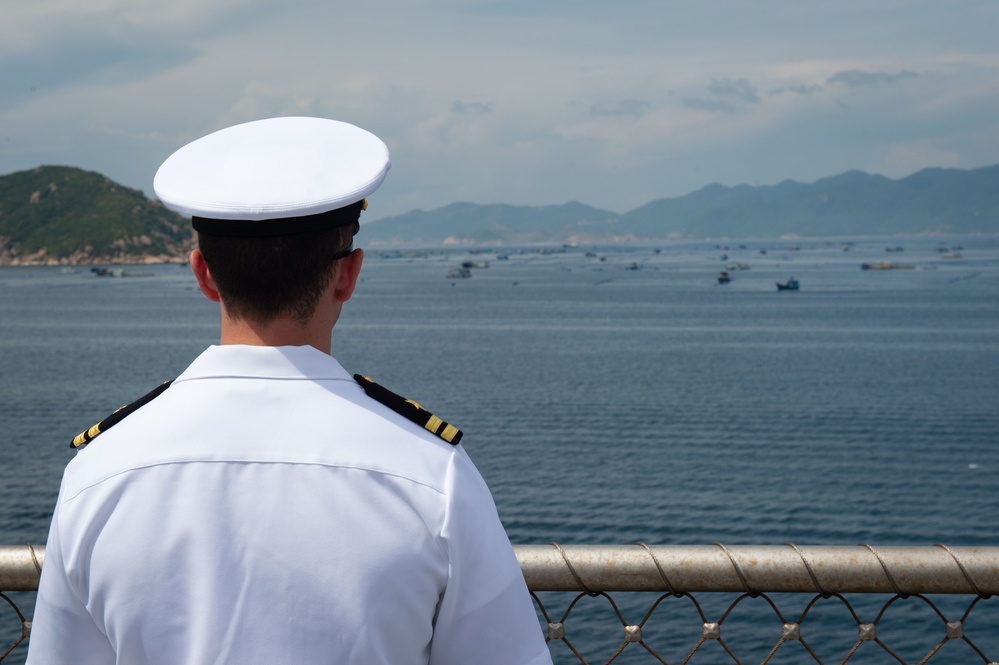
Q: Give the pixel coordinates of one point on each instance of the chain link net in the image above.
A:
(636, 627)
(12, 617)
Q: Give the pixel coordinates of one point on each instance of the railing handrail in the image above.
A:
(907, 570)
(20, 566)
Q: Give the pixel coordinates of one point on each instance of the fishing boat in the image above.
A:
(885, 265)
(108, 272)
(790, 285)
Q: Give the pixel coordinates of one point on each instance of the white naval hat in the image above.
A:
(274, 177)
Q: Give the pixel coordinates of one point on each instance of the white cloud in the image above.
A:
(797, 89)
(509, 100)
(31, 24)
(902, 159)
(471, 107)
(740, 89)
(624, 107)
(709, 105)
(856, 78)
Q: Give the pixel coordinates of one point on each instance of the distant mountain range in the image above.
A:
(61, 214)
(851, 204)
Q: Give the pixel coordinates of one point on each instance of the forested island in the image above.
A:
(60, 215)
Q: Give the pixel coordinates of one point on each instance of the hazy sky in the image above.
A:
(610, 102)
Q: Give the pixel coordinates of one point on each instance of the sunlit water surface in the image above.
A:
(608, 394)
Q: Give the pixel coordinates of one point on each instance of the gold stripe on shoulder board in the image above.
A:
(119, 414)
(410, 409)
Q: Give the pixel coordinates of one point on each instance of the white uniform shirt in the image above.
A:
(263, 509)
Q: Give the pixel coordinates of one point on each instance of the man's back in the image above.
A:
(263, 509)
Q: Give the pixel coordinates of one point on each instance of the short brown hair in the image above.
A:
(264, 278)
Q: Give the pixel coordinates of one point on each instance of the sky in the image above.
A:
(613, 103)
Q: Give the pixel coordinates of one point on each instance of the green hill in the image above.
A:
(64, 215)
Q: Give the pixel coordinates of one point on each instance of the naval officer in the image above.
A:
(266, 506)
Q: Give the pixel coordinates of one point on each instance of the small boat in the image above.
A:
(460, 273)
(790, 285)
(723, 277)
(108, 272)
(885, 265)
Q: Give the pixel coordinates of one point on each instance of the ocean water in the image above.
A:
(608, 394)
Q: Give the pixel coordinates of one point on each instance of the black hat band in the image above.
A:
(280, 226)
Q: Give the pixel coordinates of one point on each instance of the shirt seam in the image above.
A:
(236, 460)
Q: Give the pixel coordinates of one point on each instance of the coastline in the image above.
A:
(83, 258)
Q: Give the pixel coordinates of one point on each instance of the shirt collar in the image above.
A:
(274, 362)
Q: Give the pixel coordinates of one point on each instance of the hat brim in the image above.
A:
(273, 169)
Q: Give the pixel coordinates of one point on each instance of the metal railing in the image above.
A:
(880, 576)
(668, 577)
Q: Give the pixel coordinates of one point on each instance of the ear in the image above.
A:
(203, 275)
(346, 275)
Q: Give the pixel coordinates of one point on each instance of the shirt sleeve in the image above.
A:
(62, 630)
(486, 615)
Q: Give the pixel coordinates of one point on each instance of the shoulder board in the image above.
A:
(410, 409)
(83, 438)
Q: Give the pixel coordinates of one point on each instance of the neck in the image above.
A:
(283, 331)
(286, 331)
